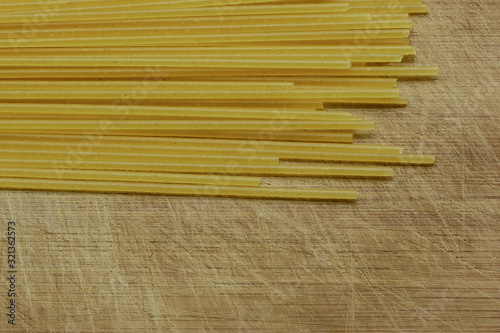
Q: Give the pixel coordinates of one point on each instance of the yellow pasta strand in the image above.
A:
(208, 29)
(410, 159)
(300, 94)
(213, 50)
(412, 9)
(93, 5)
(293, 136)
(143, 177)
(243, 20)
(229, 169)
(151, 11)
(178, 62)
(129, 111)
(99, 73)
(180, 40)
(188, 125)
(206, 147)
(77, 157)
(172, 189)
(208, 61)
(146, 86)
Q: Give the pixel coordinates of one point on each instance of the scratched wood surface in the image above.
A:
(419, 253)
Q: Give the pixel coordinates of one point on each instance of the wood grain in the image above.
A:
(419, 253)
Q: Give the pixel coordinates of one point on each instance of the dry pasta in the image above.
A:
(199, 97)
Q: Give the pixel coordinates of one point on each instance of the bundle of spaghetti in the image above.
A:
(199, 97)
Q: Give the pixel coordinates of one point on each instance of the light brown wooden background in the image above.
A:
(419, 253)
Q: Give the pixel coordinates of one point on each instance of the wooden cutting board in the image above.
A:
(419, 253)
